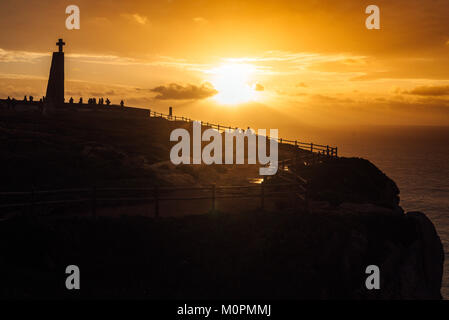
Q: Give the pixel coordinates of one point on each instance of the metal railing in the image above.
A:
(309, 146)
(97, 197)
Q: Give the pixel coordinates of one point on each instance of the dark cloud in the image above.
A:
(325, 98)
(175, 91)
(433, 91)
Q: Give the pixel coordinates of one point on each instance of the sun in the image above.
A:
(233, 83)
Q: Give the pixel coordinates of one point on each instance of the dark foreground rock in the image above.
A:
(282, 255)
(351, 180)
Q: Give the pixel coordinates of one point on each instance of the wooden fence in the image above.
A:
(314, 148)
(97, 197)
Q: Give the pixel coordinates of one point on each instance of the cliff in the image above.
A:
(355, 221)
(280, 255)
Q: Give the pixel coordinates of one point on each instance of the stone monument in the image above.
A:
(55, 87)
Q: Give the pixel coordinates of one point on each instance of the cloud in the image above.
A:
(200, 20)
(259, 87)
(175, 91)
(291, 63)
(302, 58)
(302, 85)
(158, 61)
(13, 76)
(378, 75)
(322, 98)
(20, 56)
(433, 91)
(136, 18)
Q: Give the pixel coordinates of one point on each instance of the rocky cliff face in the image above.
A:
(352, 180)
(420, 266)
(411, 264)
(278, 255)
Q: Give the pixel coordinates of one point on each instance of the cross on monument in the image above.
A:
(60, 44)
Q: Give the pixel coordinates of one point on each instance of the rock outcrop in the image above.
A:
(421, 269)
(353, 180)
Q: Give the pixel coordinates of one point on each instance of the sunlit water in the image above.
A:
(417, 159)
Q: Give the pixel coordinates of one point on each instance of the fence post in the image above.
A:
(156, 201)
(218, 126)
(327, 150)
(262, 196)
(280, 141)
(336, 151)
(214, 191)
(94, 201)
(311, 147)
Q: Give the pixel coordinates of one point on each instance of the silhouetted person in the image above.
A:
(122, 104)
(108, 102)
(25, 99)
(71, 100)
(31, 98)
(81, 100)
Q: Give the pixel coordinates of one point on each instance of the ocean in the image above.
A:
(417, 159)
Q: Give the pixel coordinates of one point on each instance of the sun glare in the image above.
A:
(233, 83)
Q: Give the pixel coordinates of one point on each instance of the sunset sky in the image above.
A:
(261, 63)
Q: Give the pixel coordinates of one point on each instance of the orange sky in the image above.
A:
(263, 63)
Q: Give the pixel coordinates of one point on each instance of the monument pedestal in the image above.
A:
(55, 87)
